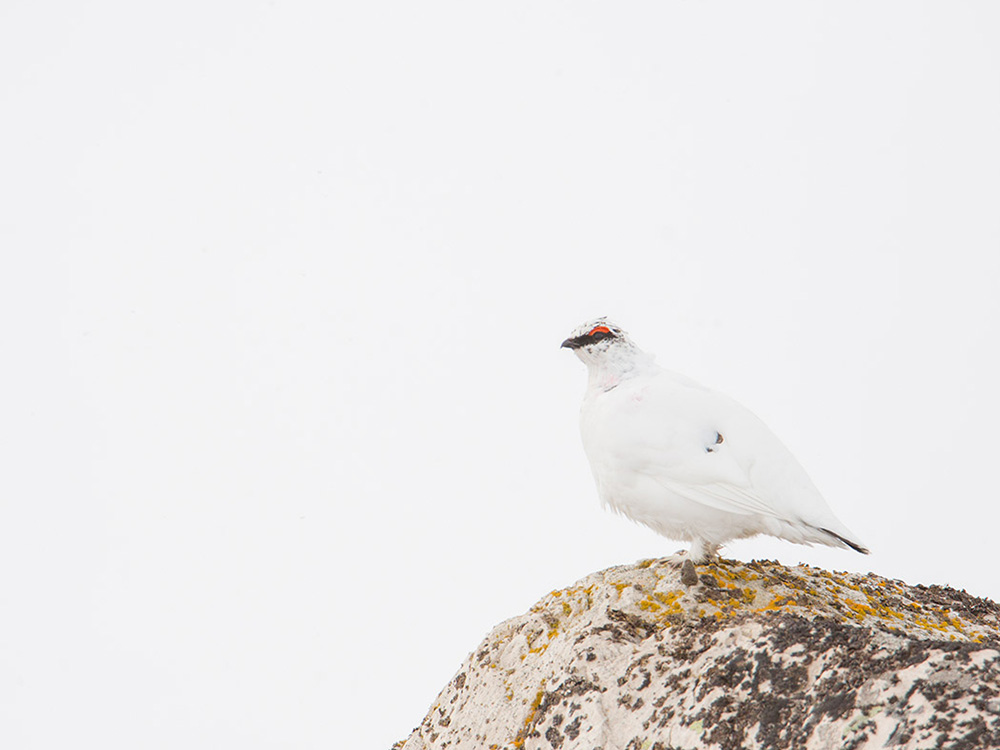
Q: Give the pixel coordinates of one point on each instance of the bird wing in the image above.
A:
(712, 450)
(721, 496)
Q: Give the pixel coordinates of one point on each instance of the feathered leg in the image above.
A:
(701, 552)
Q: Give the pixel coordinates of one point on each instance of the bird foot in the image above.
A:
(699, 554)
(675, 560)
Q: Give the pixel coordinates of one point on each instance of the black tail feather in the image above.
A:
(853, 545)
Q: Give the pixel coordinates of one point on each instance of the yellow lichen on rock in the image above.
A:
(634, 653)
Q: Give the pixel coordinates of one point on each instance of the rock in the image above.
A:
(752, 655)
(689, 574)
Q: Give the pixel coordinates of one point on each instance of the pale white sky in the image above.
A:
(285, 424)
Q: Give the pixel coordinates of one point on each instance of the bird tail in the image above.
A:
(856, 546)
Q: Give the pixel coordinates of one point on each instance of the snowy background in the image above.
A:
(286, 428)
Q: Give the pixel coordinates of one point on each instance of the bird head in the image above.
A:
(592, 341)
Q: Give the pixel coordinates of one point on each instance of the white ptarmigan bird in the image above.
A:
(690, 463)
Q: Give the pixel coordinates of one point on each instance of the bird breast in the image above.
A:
(638, 426)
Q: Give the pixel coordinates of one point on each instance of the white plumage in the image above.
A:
(690, 463)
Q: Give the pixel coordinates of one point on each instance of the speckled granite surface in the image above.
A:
(740, 655)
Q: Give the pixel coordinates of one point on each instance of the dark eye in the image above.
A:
(600, 332)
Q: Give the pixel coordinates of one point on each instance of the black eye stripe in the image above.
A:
(588, 338)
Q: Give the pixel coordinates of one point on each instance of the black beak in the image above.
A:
(572, 343)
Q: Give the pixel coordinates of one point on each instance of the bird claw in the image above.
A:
(700, 553)
(675, 560)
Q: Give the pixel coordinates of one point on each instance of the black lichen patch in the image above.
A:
(748, 655)
(559, 698)
(767, 697)
(572, 729)
(836, 705)
(957, 601)
(554, 737)
(633, 627)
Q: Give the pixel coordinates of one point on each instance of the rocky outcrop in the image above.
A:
(729, 655)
